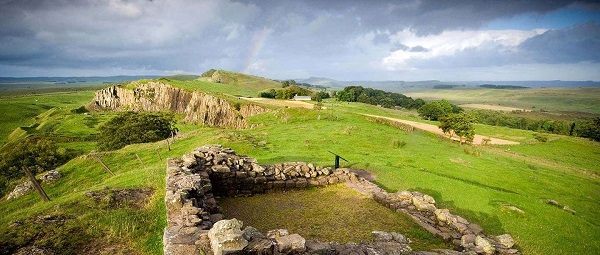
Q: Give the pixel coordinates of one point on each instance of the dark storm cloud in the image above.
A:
(280, 39)
(571, 45)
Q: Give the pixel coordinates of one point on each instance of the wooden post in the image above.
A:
(36, 184)
(104, 165)
(141, 162)
(168, 145)
(158, 152)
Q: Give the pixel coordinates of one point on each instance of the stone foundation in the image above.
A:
(195, 222)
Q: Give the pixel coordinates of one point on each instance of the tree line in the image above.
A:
(582, 127)
(378, 97)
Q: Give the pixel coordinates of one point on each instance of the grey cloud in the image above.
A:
(571, 45)
(404, 47)
(313, 37)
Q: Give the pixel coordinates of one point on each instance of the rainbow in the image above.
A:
(258, 41)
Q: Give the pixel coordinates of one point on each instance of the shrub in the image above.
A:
(131, 127)
(37, 153)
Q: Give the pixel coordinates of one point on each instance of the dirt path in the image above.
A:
(436, 130)
(278, 102)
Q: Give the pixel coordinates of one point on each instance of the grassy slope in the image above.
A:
(241, 85)
(474, 186)
(552, 99)
(21, 110)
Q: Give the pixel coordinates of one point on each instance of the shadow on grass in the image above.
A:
(491, 223)
(474, 183)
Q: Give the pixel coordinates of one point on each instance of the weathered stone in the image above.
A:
(301, 183)
(51, 176)
(404, 195)
(428, 199)
(293, 243)
(279, 184)
(176, 249)
(319, 248)
(290, 184)
(257, 168)
(422, 205)
(260, 247)
(442, 215)
(400, 238)
(216, 217)
(475, 229)
(554, 203)
(250, 233)
(467, 241)
(485, 245)
(380, 236)
(569, 210)
(20, 190)
(277, 233)
(226, 237)
(220, 169)
(506, 240)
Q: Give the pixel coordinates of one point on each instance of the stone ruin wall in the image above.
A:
(196, 223)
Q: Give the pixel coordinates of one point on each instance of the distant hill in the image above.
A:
(396, 86)
(223, 82)
(409, 86)
(14, 83)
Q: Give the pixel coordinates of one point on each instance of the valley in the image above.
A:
(479, 182)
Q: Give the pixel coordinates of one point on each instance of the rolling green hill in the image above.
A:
(231, 83)
(481, 183)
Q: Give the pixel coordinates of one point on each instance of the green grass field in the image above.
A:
(477, 182)
(335, 213)
(550, 99)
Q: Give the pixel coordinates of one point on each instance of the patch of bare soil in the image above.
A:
(479, 139)
(121, 198)
(362, 173)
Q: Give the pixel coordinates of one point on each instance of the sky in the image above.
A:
(451, 40)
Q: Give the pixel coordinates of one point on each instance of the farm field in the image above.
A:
(480, 183)
(550, 99)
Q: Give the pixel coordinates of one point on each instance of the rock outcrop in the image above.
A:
(199, 108)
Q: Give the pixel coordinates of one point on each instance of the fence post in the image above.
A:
(36, 184)
(141, 162)
(104, 165)
(158, 152)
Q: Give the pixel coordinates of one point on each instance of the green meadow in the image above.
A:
(585, 100)
(480, 183)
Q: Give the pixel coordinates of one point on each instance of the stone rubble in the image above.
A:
(26, 186)
(195, 222)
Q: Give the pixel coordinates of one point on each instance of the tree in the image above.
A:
(438, 109)
(37, 153)
(268, 93)
(460, 124)
(319, 96)
(135, 127)
(287, 83)
(590, 129)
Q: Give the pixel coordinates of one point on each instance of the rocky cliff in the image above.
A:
(199, 108)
